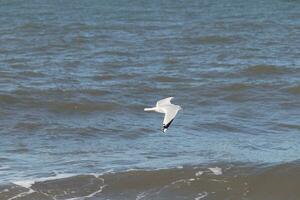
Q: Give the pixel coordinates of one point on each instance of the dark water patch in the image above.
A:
(18, 65)
(238, 97)
(290, 105)
(3, 159)
(78, 186)
(29, 126)
(81, 132)
(171, 61)
(288, 126)
(213, 40)
(116, 53)
(219, 126)
(167, 79)
(18, 147)
(93, 92)
(34, 74)
(70, 153)
(72, 64)
(235, 87)
(222, 182)
(18, 151)
(277, 182)
(82, 107)
(79, 26)
(244, 113)
(31, 27)
(53, 97)
(79, 41)
(265, 70)
(8, 99)
(294, 89)
(11, 191)
(217, 181)
(135, 133)
(6, 74)
(292, 1)
(40, 93)
(103, 77)
(112, 76)
(148, 89)
(17, 62)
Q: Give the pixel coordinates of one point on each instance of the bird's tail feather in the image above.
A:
(149, 109)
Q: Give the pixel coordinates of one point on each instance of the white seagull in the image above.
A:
(170, 110)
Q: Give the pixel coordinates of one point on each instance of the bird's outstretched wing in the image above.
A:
(170, 113)
(166, 101)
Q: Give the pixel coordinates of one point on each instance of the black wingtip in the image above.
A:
(166, 126)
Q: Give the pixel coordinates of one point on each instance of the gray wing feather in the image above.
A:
(170, 113)
(166, 101)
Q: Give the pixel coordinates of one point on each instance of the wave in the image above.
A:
(165, 79)
(58, 100)
(28, 74)
(32, 26)
(8, 99)
(214, 39)
(234, 87)
(84, 107)
(57, 92)
(294, 89)
(265, 69)
(219, 181)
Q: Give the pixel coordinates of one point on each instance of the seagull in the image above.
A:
(170, 110)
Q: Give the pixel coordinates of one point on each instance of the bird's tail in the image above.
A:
(149, 109)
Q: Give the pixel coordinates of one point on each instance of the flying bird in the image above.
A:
(170, 110)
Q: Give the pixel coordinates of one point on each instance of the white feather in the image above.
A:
(170, 112)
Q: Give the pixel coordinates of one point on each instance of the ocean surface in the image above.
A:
(76, 75)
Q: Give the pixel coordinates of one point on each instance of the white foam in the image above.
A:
(141, 196)
(201, 195)
(199, 173)
(216, 180)
(179, 181)
(29, 183)
(216, 170)
(22, 194)
(25, 184)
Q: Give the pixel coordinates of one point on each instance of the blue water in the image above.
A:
(76, 75)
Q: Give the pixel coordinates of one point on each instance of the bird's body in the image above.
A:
(170, 110)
